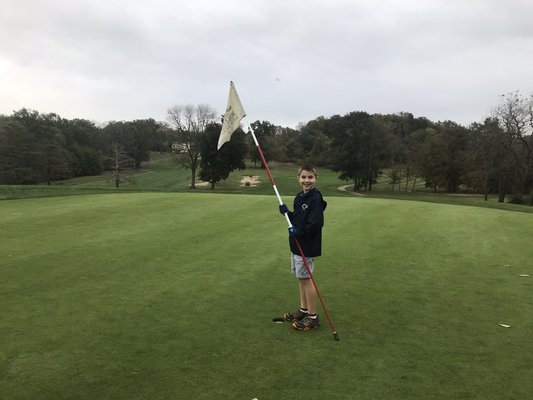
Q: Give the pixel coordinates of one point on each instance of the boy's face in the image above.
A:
(307, 180)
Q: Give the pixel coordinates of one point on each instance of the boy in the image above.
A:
(307, 220)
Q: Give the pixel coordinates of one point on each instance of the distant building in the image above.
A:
(179, 147)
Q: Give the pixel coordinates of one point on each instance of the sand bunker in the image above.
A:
(249, 180)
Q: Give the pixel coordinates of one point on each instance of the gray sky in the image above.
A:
(291, 60)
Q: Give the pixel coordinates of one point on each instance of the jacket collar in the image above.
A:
(309, 193)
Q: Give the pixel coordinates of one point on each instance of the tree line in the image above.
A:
(493, 156)
(37, 148)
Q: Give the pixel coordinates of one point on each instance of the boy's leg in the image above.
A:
(308, 295)
(303, 296)
(307, 290)
(302, 311)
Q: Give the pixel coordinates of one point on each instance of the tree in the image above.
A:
(290, 144)
(50, 155)
(80, 132)
(360, 148)
(163, 138)
(143, 136)
(412, 153)
(82, 140)
(489, 160)
(17, 147)
(314, 143)
(119, 160)
(515, 115)
(191, 122)
(265, 133)
(135, 137)
(433, 160)
(407, 137)
(216, 165)
(395, 178)
(45, 147)
(443, 159)
(85, 161)
(456, 137)
(376, 150)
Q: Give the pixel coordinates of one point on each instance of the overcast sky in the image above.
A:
(291, 60)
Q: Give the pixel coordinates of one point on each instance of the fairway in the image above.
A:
(171, 296)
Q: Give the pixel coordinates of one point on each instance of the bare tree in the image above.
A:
(119, 160)
(191, 121)
(514, 114)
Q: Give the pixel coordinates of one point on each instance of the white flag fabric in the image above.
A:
(232, 117)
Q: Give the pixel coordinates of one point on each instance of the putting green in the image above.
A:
(165, 296)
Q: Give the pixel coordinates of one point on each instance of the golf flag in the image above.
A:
(232, 117)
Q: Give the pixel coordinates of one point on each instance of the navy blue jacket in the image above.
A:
(308, 215)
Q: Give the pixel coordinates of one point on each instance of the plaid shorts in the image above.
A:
(298, 267)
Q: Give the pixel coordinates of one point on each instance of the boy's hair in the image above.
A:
(308, 167)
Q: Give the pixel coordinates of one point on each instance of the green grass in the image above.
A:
(162, 174)
(171, 295)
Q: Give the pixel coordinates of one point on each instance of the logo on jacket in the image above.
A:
(304, 207)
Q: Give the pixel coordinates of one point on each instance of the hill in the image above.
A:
(162, 174)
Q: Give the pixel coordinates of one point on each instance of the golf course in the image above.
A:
(170, 294)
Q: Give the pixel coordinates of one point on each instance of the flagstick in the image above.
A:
(335, 335)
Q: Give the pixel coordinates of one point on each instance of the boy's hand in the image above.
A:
(295, 231)
(283, 209)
